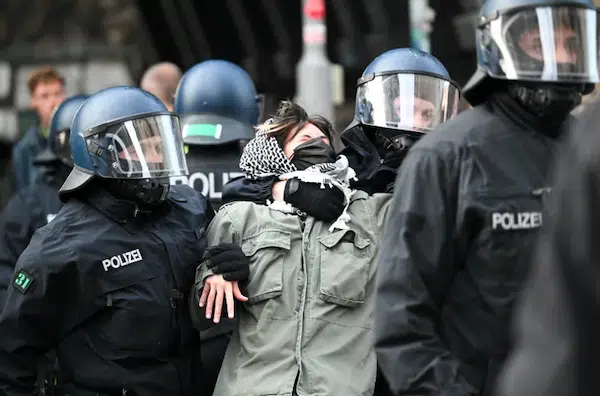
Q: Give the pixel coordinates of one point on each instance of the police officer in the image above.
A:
(461, 230)
(219, 107)
(402, 94)
(37, 205)
(104, 283)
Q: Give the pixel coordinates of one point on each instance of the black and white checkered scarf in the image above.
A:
(263, 157)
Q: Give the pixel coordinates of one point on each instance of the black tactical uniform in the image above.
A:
(102, 285)
(459, 241)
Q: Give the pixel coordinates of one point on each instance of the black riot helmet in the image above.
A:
(546, 51)
(402, 94)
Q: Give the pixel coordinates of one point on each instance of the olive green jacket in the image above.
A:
(307, 328)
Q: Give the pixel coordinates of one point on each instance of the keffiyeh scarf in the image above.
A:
(263, 157)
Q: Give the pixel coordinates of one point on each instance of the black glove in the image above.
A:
(325, 204)
(229, 260)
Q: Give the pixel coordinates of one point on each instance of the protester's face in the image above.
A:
(565, 43)
(423, 111)
(46, 97)
(152, 149)
(309, 132)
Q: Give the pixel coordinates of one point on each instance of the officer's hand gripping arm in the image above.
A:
(415, 271)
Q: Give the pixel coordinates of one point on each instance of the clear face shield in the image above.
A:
(554, 44)
(61, 147)
(407, 102)
(142, 148)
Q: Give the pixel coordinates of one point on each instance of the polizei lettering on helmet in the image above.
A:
(122, 260)
(509, 221)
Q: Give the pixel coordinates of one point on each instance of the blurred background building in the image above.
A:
(97, 43)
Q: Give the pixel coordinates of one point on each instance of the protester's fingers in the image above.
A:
(204, 294)
(237, 293)
(210, 301)
(218, 304)
(230, 300)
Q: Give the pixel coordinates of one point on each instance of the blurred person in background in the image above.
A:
(471, 200)
(161, 81)
(218, 106)
(305, 326)
(47, 90)
(35, 206)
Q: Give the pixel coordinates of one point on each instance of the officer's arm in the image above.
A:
(38, 311)
(555, 352)
(243, 189)
(16, 229)
(415, 271)
(221, 230)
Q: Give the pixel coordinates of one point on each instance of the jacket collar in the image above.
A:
(118, 210)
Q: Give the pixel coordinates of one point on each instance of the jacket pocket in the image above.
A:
(345, 261)
(127, 302)
(267, 251)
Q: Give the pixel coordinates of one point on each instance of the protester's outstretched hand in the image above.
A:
(215, 290)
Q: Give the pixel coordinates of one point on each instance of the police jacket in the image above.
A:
(557, 340)
(106, 286)
(31, 208)
(211, 167)
(372, 173)
(306, 328)
(461, 231)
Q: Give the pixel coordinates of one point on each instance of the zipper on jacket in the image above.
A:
(302, 217)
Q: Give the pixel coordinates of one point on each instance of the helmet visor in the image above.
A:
(149, 147)
(59, 144)
(408, 102)
(555, 44)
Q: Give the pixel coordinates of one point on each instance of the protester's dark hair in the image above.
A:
(43, 75)
(289, 119)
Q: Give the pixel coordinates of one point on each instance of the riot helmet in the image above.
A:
(217, 103)
(126, 138)
(405, 92)
(545, 50)
(60, 132)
